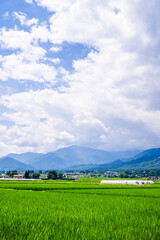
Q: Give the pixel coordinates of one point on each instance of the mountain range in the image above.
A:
(149, 159)
(76, 157)
(68, 156)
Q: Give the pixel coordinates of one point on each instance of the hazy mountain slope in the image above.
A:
(112, 165)
(146, 160)
(75, 155)
(82, 155)
(9, 163)
(148, 155)
(50, 161)
(27, 157)
(69, 156)
(126, 155)
(153, 164)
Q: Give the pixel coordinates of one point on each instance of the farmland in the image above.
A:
(78, 210)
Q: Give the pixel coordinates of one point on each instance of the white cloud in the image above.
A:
(98, 117)
(56, 49)
(16, 67)
(28, 61)
(23, 19)
(55, 60)
(20, 39)
(40, 33)
(92, 22)
(6, 15)
(53, 128)
(15, 39)
(29, 1)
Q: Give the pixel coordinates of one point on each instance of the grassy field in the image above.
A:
(78, 210)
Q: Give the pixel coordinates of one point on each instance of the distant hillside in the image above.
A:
(81, 155)
(50, 161)
(27, 157)
(75, 155)
(145, 160)
(147, 155)
(153, 164)
(113, 165)
(9, 164)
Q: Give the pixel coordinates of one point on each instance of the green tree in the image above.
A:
(14, 172)
(27, 174)
(60, 175)
(52, 174)
(123, 175)
(36, 175)
(8, 173)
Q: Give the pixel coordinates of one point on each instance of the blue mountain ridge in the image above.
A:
(69, 156)
(75, 156)
(9, 164)
(149, 159)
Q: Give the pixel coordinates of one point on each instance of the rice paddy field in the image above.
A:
(73, 210)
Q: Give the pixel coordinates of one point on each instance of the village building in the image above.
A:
(74, 178)
(5, 176)
(18, 176)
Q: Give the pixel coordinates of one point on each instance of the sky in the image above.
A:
(76, 72)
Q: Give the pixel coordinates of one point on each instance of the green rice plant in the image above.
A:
(78, 211)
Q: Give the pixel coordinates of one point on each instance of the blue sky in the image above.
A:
(70, 51)
(79, 72)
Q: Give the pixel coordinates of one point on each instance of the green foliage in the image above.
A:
(8, 173)
(27, 174)
(123, 175)
(60, 175)
(36, 175)
(14, 172)
(52, 175)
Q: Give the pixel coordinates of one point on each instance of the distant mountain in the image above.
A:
(113, 165)
(70, 156)
(50, 161)
(82, 155)
(75, 155)
(145, 160)
(125, 155)
(27, 157)
(9, 164)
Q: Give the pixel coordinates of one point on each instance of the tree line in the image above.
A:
(53, 174)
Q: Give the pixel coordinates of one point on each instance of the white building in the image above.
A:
(5, 176)
(135, 182)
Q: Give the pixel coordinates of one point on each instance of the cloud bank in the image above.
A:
(110, 100)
